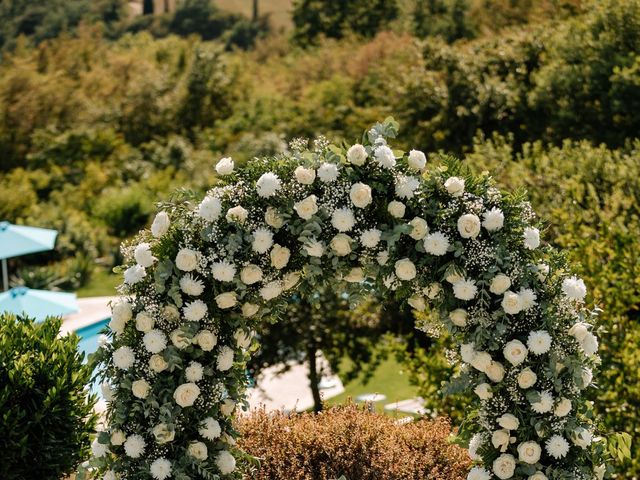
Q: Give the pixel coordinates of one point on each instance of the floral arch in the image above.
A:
(198, 281)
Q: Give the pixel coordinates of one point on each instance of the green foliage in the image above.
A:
(47, 416)
(124, 211)
(337, 18)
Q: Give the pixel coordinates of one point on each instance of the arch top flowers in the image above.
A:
(375, 218)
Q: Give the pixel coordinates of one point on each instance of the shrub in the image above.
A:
(353, 442)
(46, 414)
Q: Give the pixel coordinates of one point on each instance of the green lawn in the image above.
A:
(103, 283)
(389, 379)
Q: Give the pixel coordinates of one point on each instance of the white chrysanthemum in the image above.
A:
(539, 342)
(225, 166)
(154, 341)
(543, 271)
(509, 421)
(160, 224)
(465, 289)
(511, 303)
(134, 274)
(225, 462)
(370, 238)
(307, 207)
(251, 274)
(121, 313)
(343, 219)
(314, 248)
(194, 372)
(417, 160)
(562, 408)
(195, 311)
(406, 186)
(529, 452)
(382, 257)
(436, 243)
(527, 378)
(499, 284)
(328, 172)
(237, 214)
(305, 176)
(210, 208)
(483, 391)
(98, 449)
(357, 154)
(160, 469)
(268, 184)
(143, 255)
(493, 219)
(405, 269)
(271, 290)
(360, 195)
(544, 404)
(469, 225)
(515, 352)
(455, 186)
(459, 317)
(589, 344)
(467, 352)
(396, 209)
(134, 446)
(527, 298)
(574, 288)
(557, 446)
(191, 285)
(478, 473)
(123, 358)
(475, 443)
(262, 240)
(186, 394)
(419, 228)
(187, 259)
(223, 271)
(504, 466)
(385, 157)
(210, 428)
(224, 360)
(531, 238)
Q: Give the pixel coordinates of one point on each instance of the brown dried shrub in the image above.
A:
(350, 441)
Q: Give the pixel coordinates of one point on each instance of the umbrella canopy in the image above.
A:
(16, 240)
(37, 304)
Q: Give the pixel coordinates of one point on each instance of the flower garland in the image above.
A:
(196, 284)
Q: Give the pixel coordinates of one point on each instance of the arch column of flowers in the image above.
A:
(197, 283)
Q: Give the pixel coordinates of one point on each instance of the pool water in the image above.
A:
(88, 344)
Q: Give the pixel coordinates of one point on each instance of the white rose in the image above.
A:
(509, 421)
(504, 466)
(227, 407)
(341, 244)
(370, 238)
(495, 372)
(531, 238)
(160, 224)
(187, 259)
(157, 363)
(483, 391)
(179, 339)
(305, 176)
(481, 361)
(226, 300)
(467, 352)
(500, 440)
(357, 154)
(306, 208)
(360, 195)
(251, 274)
(433, 290)
(206, 340)
(224, 360)
(500, 284)
(582, 437)
(527, 378)
(515, 352)
(171, 312)
(144, 322)
(210, 208)
(162, 433)
(417, 160)
(405, 269)
(579, 330)
(186, 394)
(355, 275)
(529, 452)
(242, 338)
(562, 408)
(511, 303)
(268, 184)
(328, 172)
(458, 317)
(279, 256)
(225, 166)
(107, 391)
(271, 290)
(98, 449)
(537, 476)
(117, 437)
(598, 471)
(197, 450)
(419, 228)
(237, 214)
(273, 218)
(454, 278)
(455, 186)
(469, 226)
(249, 309)
(543, 271)
(396, 209)
(140, 389)
(417, 303)
(143, 255)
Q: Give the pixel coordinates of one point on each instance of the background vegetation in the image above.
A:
(102, 115)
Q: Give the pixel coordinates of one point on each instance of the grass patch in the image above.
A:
(102, 283)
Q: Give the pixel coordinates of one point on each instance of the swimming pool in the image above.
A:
(88, 344)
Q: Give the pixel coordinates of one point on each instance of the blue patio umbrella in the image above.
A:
(16, 240)
(37, 304)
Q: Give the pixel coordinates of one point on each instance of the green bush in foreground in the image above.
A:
(46, 413)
